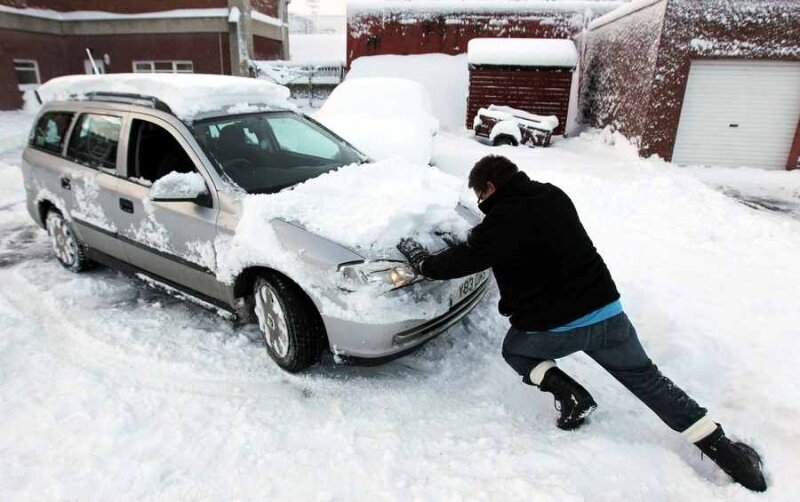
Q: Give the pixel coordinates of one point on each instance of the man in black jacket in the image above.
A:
(561, 299)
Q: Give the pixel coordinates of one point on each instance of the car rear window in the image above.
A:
(94, 140)
(50, 130)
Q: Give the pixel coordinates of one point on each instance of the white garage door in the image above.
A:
(739, 113)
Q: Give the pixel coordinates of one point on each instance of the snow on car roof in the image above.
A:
(522, 52)
(187, 95)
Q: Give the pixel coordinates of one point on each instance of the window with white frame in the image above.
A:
(27, 71)
(163, 67)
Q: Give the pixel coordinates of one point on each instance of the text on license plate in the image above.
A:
(466, 287)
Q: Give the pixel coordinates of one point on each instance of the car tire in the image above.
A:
(504, 140)
(69, 250)
(289, 322)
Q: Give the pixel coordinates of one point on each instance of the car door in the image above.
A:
(93, 150)
(172, 242)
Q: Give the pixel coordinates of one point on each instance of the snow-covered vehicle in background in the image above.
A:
(217, 189)
(504, 125)
(383, 117)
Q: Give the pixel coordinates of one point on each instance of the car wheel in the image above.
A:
(69, 251)
(505, 140)
(289, 321)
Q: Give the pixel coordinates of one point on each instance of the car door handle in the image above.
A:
(66, 183)
(126, 205)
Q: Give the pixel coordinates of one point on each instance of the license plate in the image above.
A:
(467, 287)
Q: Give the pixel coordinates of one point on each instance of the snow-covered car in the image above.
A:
(217, 189)
(504, 125)
(384, 117)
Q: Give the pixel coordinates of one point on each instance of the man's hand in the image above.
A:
(414, 253)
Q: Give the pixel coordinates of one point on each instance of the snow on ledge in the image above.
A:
(624, 10)
(186, 94)
(96, 15)
(454, 6)
(522, 52)
(274, 21)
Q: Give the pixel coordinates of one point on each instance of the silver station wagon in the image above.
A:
(97, 171)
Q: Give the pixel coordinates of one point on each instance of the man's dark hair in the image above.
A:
(494, 168)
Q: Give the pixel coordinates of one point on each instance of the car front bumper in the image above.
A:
(367, 343)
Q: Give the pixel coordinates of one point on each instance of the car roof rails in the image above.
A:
(130, 99)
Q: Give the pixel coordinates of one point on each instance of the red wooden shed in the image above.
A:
(530, 74)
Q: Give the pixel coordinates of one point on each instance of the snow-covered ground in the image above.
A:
(111, 390)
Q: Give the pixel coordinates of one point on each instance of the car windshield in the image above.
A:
(267, 152)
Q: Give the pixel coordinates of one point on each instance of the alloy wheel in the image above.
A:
(272, 320)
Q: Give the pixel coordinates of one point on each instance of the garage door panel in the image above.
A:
(762, 100)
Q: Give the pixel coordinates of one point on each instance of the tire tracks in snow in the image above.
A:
(65, 337)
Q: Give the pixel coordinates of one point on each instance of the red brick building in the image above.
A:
(387, 27)
(712, 82)
(42, 39)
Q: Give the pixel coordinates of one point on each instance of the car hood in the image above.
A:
(325, 252)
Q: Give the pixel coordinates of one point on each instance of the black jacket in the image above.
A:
(547, 269)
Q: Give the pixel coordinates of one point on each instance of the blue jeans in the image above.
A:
(614, 345)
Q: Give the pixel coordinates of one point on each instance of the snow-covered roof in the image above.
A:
(95, 15)
(523, 52)
(233, 14)
(318, 48)
(366, 6)
(186, 94)
(622, 11)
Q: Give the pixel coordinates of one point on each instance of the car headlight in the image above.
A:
(387, 275)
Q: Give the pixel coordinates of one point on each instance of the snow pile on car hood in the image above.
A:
(366, 207)
(186, 95)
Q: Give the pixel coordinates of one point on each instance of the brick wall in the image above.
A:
(403, 32)
(57, 55)
(636, 68)
(119, 6)
(203, 49)
(619, 65)
(10, 97)
(266, 48)
(268, 7)
(742, 29)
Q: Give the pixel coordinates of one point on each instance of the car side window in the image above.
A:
(94, 141)
(153, 152)
(48, 135)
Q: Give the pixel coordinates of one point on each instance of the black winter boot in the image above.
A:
(738, 460)
(575, 402)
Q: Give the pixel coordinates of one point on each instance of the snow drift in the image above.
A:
(384, 117)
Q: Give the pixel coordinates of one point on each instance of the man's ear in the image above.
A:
(490, 188)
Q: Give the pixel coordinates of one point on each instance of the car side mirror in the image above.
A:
(181, 187)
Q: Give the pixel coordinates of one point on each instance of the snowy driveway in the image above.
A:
(109, 390)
